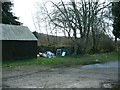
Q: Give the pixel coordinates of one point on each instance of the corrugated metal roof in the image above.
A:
(13, 32)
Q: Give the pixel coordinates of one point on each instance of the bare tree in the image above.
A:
(41, 21)
(87, 18)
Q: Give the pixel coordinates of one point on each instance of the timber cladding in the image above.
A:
(12, 50)
(18, 42)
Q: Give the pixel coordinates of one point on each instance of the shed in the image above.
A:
(18, 42)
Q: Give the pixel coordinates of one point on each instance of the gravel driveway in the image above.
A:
(67, 77)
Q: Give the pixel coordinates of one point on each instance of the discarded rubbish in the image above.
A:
(47, 54)
(63, 54)
(38, 55)
(58, 52)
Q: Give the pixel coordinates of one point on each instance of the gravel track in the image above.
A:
(67, 77)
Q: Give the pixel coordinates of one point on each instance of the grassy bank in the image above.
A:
(63, 61)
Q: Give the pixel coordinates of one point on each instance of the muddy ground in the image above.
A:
(66, 77)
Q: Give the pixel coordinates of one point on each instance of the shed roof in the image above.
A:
(13, 32)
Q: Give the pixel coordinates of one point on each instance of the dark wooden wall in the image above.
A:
(18, 49)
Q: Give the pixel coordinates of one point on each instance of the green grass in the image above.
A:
(63, 61)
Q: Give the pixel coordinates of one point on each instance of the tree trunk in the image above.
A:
(82, 44)
(116, 45)
(75, 49)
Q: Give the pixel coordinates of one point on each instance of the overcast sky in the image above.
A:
(24, 9)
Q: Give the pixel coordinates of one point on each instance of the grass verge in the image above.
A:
(63, 61)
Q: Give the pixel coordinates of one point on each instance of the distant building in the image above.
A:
(18, 42)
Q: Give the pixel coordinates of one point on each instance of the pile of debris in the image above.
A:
(47, 54)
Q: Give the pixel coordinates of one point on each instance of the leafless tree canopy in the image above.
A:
(82, 21)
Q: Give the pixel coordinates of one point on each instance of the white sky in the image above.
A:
(24, 9)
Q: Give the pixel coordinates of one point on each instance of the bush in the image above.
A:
(107, 46)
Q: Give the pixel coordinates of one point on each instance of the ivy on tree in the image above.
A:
(7, 16)
(116, 14)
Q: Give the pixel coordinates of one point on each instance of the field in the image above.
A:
(63, 61)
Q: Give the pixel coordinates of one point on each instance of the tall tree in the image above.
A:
(85, 17)
(80, 20)
(7, 16)
(116, 14)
